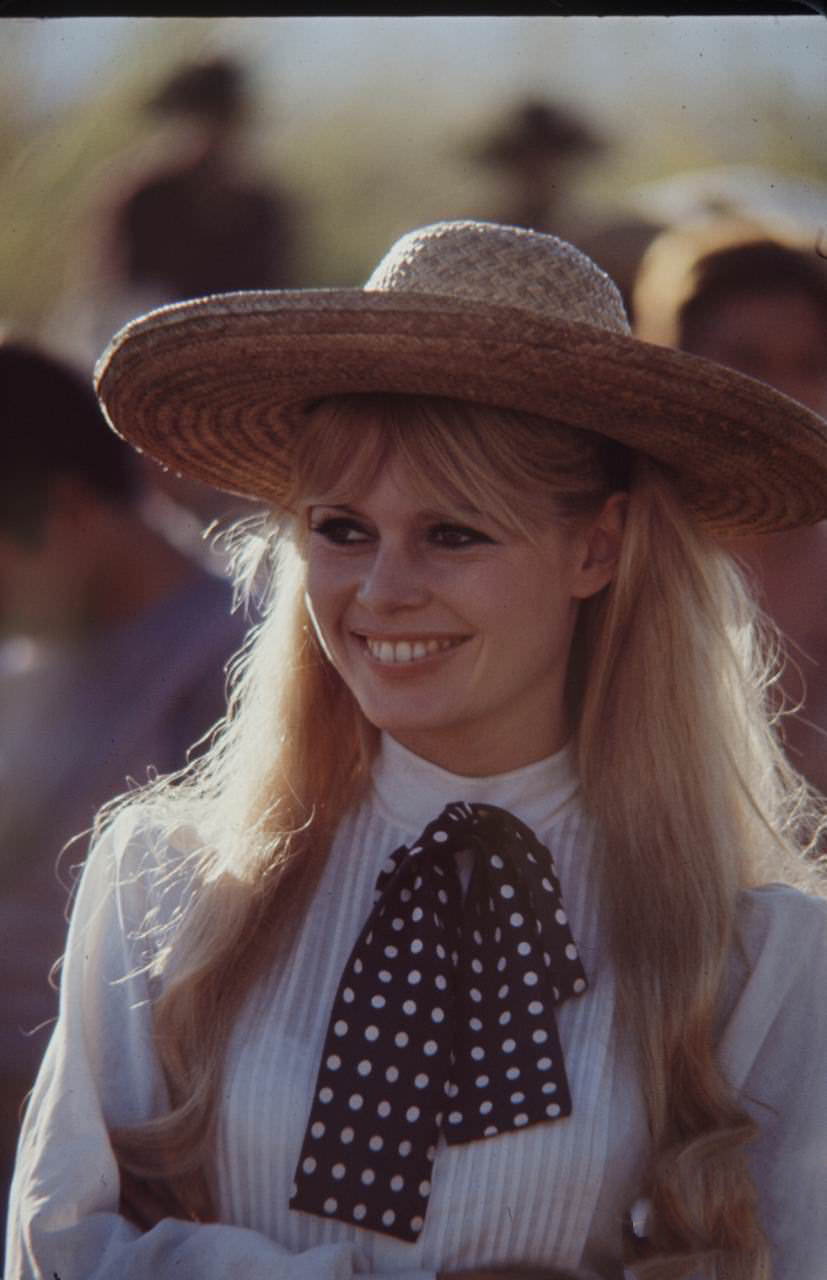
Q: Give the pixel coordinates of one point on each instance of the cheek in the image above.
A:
(533, 590)
(543, 611)
(554, 626)
(323, 585)
(328, 592)
(323, 632)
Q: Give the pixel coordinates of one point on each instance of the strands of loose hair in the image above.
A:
(695, 801)
(668, 689)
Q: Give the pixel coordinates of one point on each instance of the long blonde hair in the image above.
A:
(679, 765)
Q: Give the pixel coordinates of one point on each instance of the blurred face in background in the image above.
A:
(778, 338)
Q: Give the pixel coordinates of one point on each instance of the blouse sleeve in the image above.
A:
(101, 1068)
(775, 1051)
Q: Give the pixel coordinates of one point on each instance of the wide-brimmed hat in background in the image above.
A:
(786, 201)
(474, 311)
(672, 269)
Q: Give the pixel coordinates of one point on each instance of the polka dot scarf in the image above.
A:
(443, 1022)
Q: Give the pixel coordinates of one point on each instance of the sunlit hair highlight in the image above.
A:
(679, 768)
(695, 801)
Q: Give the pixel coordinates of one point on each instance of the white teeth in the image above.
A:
(406, 650)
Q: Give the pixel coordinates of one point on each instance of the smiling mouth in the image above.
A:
(402, 651)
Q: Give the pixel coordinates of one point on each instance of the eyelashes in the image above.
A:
(340, 530)
(347, 531)
(457, 535)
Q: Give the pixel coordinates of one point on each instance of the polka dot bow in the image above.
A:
(443, 1022)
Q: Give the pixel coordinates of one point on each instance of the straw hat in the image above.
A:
(474, 311)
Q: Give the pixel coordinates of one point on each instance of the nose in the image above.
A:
(393, 580)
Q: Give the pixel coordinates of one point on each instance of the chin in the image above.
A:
(411, 721)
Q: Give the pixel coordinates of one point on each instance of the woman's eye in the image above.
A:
(340, 530)
(457, 535)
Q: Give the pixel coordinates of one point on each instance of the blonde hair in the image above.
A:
(678, 760)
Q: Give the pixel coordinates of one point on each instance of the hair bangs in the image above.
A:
(520, 470)
(336, 453)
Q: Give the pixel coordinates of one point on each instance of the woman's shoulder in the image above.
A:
(142, 832)
(777, 976)
(143, 857)
(777, 919)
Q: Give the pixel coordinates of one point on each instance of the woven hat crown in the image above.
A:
(502, 266)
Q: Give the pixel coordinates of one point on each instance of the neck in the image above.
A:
(484, 758)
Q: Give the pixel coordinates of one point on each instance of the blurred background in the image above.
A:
(372, 125)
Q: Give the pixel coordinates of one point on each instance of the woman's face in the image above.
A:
(452, 633)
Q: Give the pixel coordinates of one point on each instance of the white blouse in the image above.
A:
(549, 1194)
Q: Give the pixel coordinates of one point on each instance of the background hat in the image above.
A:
(473, 311)
(534, 129)
(213, 90)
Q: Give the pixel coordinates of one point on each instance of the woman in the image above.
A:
(458, 954)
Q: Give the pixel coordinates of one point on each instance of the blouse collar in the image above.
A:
(412, 791)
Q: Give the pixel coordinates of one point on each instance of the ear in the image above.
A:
(599, 547)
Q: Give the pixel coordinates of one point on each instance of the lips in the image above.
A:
(395, 652)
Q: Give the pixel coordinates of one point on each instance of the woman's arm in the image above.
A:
(774, 1049)
(65, 1215)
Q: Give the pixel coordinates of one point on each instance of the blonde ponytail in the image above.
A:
(675, 748)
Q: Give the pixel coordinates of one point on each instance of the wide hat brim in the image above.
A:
(210, 389)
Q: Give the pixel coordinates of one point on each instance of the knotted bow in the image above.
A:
(443, 1021)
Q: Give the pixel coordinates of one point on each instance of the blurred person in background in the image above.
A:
(190, 223)
(537, 149)
(200, 224)
(754, 298)
(113, 645)
(185, 216)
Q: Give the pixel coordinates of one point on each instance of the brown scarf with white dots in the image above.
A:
(443, 1022)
